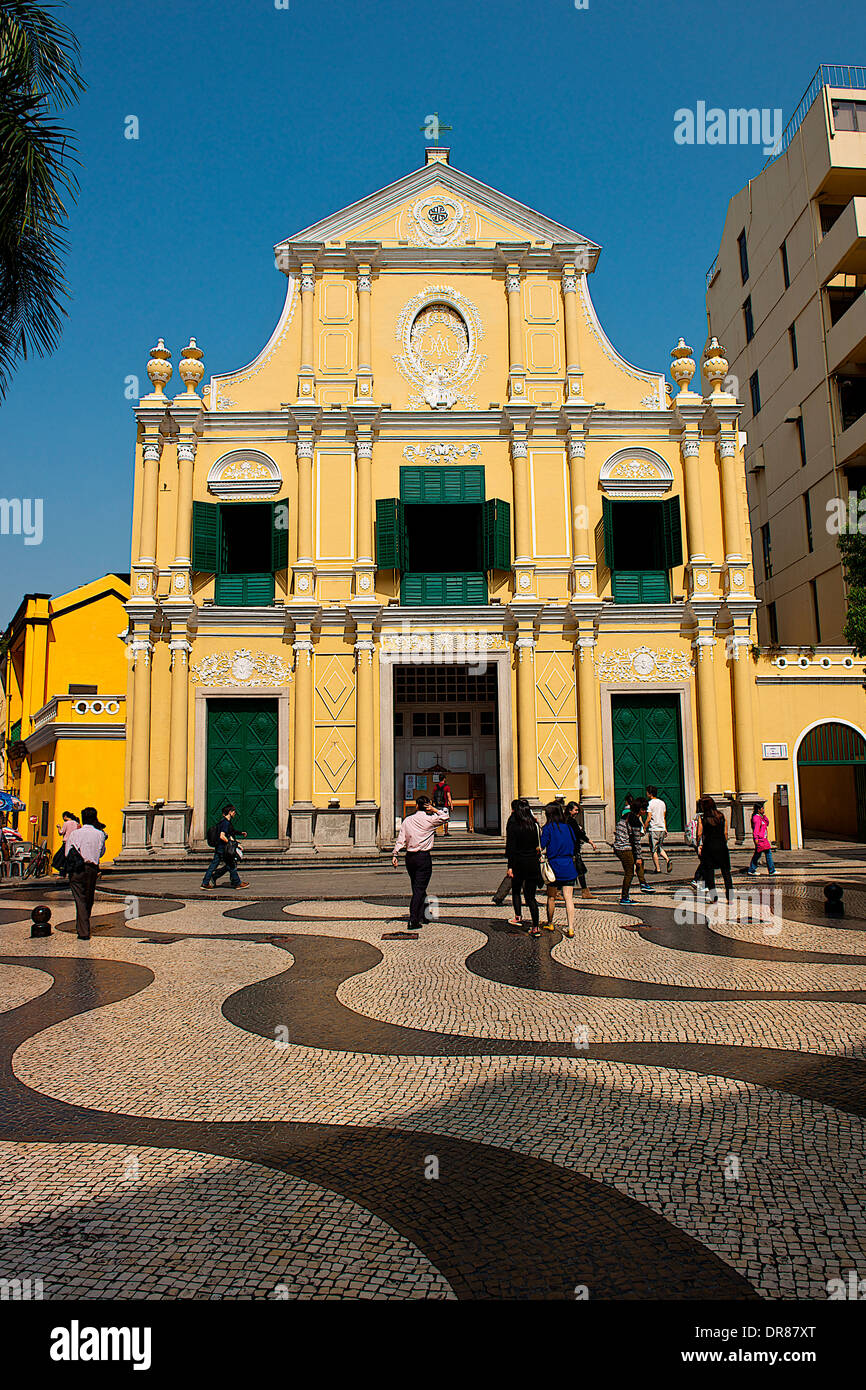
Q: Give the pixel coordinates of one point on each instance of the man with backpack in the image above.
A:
(224, 841)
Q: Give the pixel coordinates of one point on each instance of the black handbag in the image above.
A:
(75, 861)
(59, 861)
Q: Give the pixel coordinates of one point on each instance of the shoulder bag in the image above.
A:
(547, 873)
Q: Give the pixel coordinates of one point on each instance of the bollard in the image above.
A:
(833, 905)
(41, 919)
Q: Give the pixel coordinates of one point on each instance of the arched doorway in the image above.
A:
(831, 782)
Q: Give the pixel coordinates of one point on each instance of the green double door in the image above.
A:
(647, 748)
(242, 764)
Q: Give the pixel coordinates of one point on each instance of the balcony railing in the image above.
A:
(828, 75)
(71, 709)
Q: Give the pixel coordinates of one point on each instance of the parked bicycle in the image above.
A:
(40, 862)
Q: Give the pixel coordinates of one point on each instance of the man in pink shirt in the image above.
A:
(416, 836)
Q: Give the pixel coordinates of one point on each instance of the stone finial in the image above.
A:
(159, 367)
(715, 366)
(191, 367)
(682, 365)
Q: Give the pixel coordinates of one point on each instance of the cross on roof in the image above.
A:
(433, 127)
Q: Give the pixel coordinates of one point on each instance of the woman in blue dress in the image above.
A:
(560, 843)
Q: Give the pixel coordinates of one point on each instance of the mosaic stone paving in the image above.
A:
(279, 1099)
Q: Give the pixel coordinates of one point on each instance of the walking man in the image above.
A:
(416, 836)
(89, 840)
(224, 855)
(442, 796)
(656, 825)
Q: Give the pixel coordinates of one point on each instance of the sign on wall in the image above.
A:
(775, 750)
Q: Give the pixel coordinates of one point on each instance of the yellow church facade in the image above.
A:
(439, 522)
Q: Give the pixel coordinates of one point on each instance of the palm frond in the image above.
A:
(37, 75)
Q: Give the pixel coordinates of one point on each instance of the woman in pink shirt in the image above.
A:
(760, 827)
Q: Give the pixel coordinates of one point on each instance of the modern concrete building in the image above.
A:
(786, 297)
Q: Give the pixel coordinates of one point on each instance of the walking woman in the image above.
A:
(626, 847)
(760, 830)
(713, 841)
(558, 842)
(582, 839)
(523, 851)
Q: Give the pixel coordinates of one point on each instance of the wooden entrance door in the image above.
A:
(242, 764)
(647, 748)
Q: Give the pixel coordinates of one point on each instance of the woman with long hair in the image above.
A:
(558, 841)
(523, 851)
(713, 840)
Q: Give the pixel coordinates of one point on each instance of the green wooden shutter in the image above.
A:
(673, 533)
(205, 536)
(391, 538)
(496, 533)
(411, 486)
(441, 486)
(607, 532)
(279, 536)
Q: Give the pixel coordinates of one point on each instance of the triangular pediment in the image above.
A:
(439, 205)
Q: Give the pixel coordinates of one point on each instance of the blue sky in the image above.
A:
(256, 121)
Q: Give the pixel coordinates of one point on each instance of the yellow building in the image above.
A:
(65, 681)
(440, 521)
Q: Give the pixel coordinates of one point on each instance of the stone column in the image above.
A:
(743, 693)
(592, 802)
(522, 506)
(138, 815)
(307, 373)
(516, 367)
(302, 806)
(305, 448)
(176, 810)
(144, 571)
(573, 374)
(730, 499)
(364, 381)
(366, 798)
(691, 449)
(708, 723)
(364, 465)
(583, 564)
(527, 736)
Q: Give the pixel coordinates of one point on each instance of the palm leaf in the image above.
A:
(37, 74)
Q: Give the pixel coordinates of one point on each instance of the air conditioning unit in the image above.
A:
(51, 767)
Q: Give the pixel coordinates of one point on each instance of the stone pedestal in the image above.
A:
(176, 817)
(333, 829)
(592, 810)
(302, 815)
(137, 829)
(366, 820)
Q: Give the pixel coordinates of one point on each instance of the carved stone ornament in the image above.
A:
(241, 667)
(439, 331)
(637, 472)
(441, 453)
(642, 664)
(430, 645)
(244, 475)
(438, 221)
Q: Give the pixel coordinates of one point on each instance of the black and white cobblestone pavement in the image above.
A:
(282, 1097)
